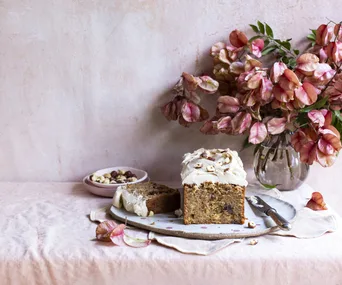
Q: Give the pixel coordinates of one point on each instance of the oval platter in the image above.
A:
(169, 224)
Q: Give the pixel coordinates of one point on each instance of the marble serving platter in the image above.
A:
(169, 224)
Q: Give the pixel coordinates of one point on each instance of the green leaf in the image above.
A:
(261, 27)
(269, 186)
(246, 144)
(254, 38)
(268, 50)
(313, 32)
(286, 45)
(296, 51)
(318, 105)
(338, 115)
(269, 31)
(311, 38)
(292, 63)
(254, 28)
(266, 42)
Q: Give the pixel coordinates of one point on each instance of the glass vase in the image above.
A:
(277, 164)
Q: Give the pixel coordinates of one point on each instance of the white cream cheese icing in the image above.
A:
(132, 202)
(213, 165)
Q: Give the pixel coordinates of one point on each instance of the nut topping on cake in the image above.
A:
(198, 165)
(210, 168)
(220, 163)
(251, 225)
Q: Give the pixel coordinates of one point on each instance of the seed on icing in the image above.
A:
(220, 163)
(210, 168)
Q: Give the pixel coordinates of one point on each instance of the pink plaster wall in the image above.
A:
(81, 80)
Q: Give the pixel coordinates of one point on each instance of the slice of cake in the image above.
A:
(147, 198)
(214, 184)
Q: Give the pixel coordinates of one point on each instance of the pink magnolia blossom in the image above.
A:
(307, 63)
(334, 51)
(190, 82)
(208, 85)
(324, 34)
(276, 125)
(256, 47)
(307, 93)
(208, 127)
(228, 104)
(338, 32)
(241, 122)
(258, 133)
(289, 80)
(277, 70)
(238, 39)
(251, 63)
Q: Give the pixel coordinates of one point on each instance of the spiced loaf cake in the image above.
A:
(214, 183)
(147, 198)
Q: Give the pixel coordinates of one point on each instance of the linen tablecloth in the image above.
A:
(46, 238)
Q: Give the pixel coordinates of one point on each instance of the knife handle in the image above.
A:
(279, 220)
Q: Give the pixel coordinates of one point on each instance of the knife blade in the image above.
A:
(257, 203)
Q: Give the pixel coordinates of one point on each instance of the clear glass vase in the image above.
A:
(277, 163)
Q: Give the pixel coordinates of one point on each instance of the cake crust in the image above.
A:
(214, 203)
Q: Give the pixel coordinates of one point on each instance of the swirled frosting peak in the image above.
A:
(213, 165)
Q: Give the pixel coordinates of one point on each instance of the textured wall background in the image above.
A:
(81, 80)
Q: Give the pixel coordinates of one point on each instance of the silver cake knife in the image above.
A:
(257, 203)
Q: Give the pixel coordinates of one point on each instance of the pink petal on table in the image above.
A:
(306, 94)
(316, 202)
(224, 124)
(258, 133)
(191, 112)
(325, 147)
(316, 117)
(228, 104)
(208, 128)
(308, 152)
(277, 70)
(117, 235)
(135, 242)
(326, 160)
(238, 38)
(208, 85)
(104, 230)
(216, 48)
(276, 125)
(307, 63)
(190, 81)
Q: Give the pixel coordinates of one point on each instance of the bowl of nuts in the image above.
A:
(116, 176)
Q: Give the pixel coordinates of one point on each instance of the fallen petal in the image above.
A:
(191, 112)
(238, 38)
(258, 133)
(241, 122)
(228, 104)
(224, 124)
(208, 128)
(116, 235)
(104, 230)
(135, 242)
(316, 202)
(190, 82)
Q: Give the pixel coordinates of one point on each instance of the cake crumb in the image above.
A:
(253, 242)
(251, 225)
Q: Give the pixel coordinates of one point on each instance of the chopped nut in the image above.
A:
(210, 168)
(112, 182)
(106, 181)
(101, 179)
(219, 163)
(114, 174)
(152, 224)
(122, 172)
(129, 174)
(132, 179)
(253, 242)
(227, 169)
(151, 213)
(227, 160)
(93, 177)
(251, 224)
(198, 165)
(107, 175)
(211, 158)
(120, 177)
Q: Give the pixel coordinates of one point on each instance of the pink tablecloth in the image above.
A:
(46, 238)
